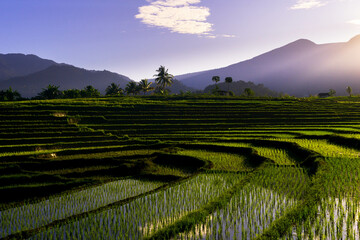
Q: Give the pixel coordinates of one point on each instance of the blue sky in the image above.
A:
(135, 37)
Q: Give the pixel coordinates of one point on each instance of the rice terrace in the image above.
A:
(180, 167)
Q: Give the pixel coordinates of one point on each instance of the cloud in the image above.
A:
(308, 4)
(179, 16)
(175, 3)
(354, 21)
(228, 36)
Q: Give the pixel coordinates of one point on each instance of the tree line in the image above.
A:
(162, 81)
(247, 91)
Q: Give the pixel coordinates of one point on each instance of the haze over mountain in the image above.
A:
(65, 76)
(14, 65)
(238, 88)
(300, 68)
(29, 74)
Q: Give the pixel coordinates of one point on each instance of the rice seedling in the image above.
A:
(325, 148)
(278, 155)
(248, 213)
(221, 161)
(270, 194)
(336, 218)
(30, 216)
(253, 208)
(143, 216)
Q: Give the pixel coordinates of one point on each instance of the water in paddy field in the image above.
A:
(248, 214)
(144, 216)
(336, 219)
(30, 216)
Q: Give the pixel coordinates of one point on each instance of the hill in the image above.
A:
(65, 76)
(28, 74)
(238, 88)
(14, 65)
(299, 68)
(178, 87)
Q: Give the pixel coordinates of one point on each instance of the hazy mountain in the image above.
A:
(28, 74)
(238, 88)
(178, 86)
(14, 65)
(299, 68)
(65, 76)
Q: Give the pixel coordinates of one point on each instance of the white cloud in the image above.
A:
(174, 3)
(179, 16)
(354, 21)
(228, 36)
(307, 4)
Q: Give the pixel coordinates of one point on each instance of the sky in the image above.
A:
(135, 37)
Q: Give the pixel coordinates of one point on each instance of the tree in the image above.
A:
(216, 79)
(89, 91)
(145, 86)
(114, 90)
(349, 90)
(71, 93)
(332, 92)
(228, 80)
(9, 95)
(163, 79)
(249, 92)
(51, 92)
(131, 88)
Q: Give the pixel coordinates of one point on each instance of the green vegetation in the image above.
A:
(38, 214)
(146, 215)
(221, 160)
(163, 79)
(179, 167)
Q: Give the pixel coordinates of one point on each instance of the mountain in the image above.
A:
(238, 88)
(178, 87)
(300, 68)
(14, 65)
(29, 74)
(65, 76)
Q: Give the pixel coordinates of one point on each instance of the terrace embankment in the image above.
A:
(270, 163)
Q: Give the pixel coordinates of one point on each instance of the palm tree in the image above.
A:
(228, 80)
(114, 89)
(145, 86)
(131, 87)
(163, 78)
(51, 92)
(216, 79)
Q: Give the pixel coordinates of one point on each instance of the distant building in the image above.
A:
(324, 95)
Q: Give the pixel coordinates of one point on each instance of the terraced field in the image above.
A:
(180, 168)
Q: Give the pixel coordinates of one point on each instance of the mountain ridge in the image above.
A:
(18, 64)
(300, 68)
(66, 77)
